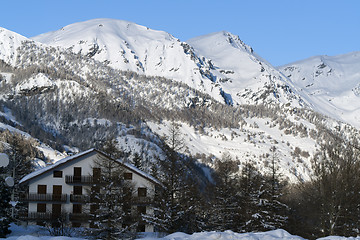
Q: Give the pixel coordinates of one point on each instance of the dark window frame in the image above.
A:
(41, 189)
(77, 208)
(128, 176)
(142, 192)
(77, 190)
(41, 207)
(57, 174)
(141, 210)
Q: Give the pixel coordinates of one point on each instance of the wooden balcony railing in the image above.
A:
(79, 198)
(35, 197)
(85, 179)
(141, 200)
(36, 216)
(79, 217)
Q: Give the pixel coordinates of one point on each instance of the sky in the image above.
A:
(280, 31)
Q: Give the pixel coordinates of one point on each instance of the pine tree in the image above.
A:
(110, 201)
(169, 205)
(110, 148)
(251, 183)
(5, 209)
(328, 204)
(225, 206)
(137, 161)
(177, 201)
(274, 186)
(21, 152)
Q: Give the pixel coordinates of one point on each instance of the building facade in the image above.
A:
(62, 190)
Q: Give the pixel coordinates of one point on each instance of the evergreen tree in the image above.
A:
(178, 200)
(110, 201)
(21, 152)
(263, 208)
(110, 148)
(137, 161)
(169, 204)
(273, 190)
(329, 203)
(5, 209)
(224, 212)
(251, 191)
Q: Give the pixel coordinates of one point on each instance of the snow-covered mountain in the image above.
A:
(128, 46)
(331, 83)
(73, 90)
(9, 43)
(243, 75)
(218, 64)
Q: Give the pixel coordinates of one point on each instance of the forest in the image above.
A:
(239, 195)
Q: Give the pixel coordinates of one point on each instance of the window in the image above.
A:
(77, 174)
(57, 191)
(141, 192)
(128, 176)
(77, 171)
(93, 208)
(96, 174)
(41, 189)
(77, 190)
(56, 210)
(41, 207)
(141, 228)
(57, 174)
(141, 210)
(77, 208)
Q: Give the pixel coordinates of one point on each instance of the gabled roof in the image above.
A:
(76, 156)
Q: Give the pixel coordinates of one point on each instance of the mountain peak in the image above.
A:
(222, 37)
(10, 41)
(98, 28)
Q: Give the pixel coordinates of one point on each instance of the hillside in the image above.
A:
(332, 84)
(243, 75)
(236, 78)
(67, 97)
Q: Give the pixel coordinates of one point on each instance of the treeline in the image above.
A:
(243, 198)
(125, 97)
(21, 152)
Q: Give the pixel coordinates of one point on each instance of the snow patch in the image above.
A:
(39, 83)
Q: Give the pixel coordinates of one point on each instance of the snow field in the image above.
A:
(251, 143)
(39, 233)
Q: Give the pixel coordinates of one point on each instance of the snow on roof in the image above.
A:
(70, 158)
(60, 162)
(138, 171)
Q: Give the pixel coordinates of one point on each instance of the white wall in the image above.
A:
(86, 163)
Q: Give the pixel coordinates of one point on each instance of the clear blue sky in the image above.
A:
(280, 31)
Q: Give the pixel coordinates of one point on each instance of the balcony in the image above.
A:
(142, 200)
(38, 216)
(35, 197)
(48, 216)
(84, 179)
(79, 217)
(79, 198)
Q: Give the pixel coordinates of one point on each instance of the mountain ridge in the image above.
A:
(48, 84)
(332, 82)
(158, 53)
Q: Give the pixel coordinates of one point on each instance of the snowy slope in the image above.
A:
(9, 42)
(217, 64)
(128, 46)
(242, 73)
(251, 143)
(40, 233)
(332, 84)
